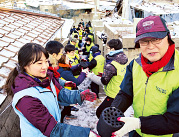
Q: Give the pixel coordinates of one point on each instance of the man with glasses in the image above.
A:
(151, 84)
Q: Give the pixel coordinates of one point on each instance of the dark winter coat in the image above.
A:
(109, 69)
(68, 75)
(158, 124)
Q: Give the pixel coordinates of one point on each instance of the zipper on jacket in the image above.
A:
(145, 94)
(144, 97)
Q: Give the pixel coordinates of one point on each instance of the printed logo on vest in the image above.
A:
(123, 69)
(161, 90)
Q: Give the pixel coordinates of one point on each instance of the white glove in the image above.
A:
(94, 78)
(130, 124)
(85, 70)
(90, 74)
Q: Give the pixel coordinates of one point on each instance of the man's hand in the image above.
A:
(86, 70)
(100, 74)
(89, 74)
(130, 124)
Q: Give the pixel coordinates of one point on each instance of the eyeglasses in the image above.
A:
(153, 41)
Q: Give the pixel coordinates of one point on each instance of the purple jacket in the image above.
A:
(32, 108)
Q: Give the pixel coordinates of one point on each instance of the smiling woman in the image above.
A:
(37, 94)
(39, 68)
(29, 56)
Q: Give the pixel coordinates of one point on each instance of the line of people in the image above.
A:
(46, 78)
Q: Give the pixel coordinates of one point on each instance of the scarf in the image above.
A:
(111, 53)
(149, 69)
(64, 65)
(55, 72)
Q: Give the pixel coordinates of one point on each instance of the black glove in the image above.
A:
(84, 64)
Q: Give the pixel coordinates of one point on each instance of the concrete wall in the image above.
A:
(9, 121)
(175, 1)
(47, 8)
(86, 17)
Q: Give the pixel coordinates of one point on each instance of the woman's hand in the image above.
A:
(130, 124)
(88, 95)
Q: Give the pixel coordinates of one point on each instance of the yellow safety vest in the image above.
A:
(151, 94)
(100, 65)
(89, 47)
(74, 60)
(113, 87)
(80, 34)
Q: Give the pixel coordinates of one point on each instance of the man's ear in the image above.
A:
(54, 55)
(113, 49)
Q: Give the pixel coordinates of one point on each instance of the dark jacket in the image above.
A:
(109, 69)
(154, 124)
(68, 75)
(93, 62)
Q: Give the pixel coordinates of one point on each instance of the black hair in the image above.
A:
(76, 36)
(87, 30)
(88, 39)
(75, 31)
(94, 49)
(28, 54)
(69, 48)
(97, 45)
(115, 43)
(89, 23)
(54, 47)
